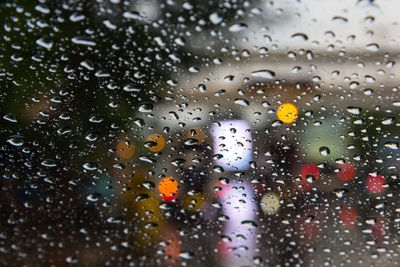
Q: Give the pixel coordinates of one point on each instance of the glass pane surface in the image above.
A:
(199, 133)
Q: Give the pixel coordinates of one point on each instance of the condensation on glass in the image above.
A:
(201, 133)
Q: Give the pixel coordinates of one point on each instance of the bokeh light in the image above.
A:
(309, 174)
(287, 113)
(197, 134)
(379, 227)
(125, 149)
(168, 188)
(222, 189)
(157, 142)
(375, 184)
(347, 171)
(348, 217)
(232, 140)
(270, 203)
(309, 225)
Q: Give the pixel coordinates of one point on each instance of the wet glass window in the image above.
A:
(199, 133)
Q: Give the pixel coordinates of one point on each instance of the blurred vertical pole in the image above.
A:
(232, 140)
(238, 205)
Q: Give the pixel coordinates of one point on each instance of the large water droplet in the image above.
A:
(45, 42)
(93, 197)
(388, 121)
(83, 40)
(10, 117)
(15, 140)
(131, 88)
(215, 18)
(392, 145)
(354, 110)
(373, 47)
(324, 151)
(249, 223)
(238, 27)
(241, 101)
(299, 37)
(146, 107)
(267, 74)
(340, 20)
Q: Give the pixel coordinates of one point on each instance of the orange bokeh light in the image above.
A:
(158, 139)
(125, 150)
(168, 188)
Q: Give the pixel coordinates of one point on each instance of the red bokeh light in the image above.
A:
(348, 217)
(380, 228)
(347, 171)
(309, 225)
(375, 184)
(221, 189)
(309, 171)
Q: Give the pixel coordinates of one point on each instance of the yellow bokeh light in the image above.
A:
(270, 203)
(158, 139)
(287, 113)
